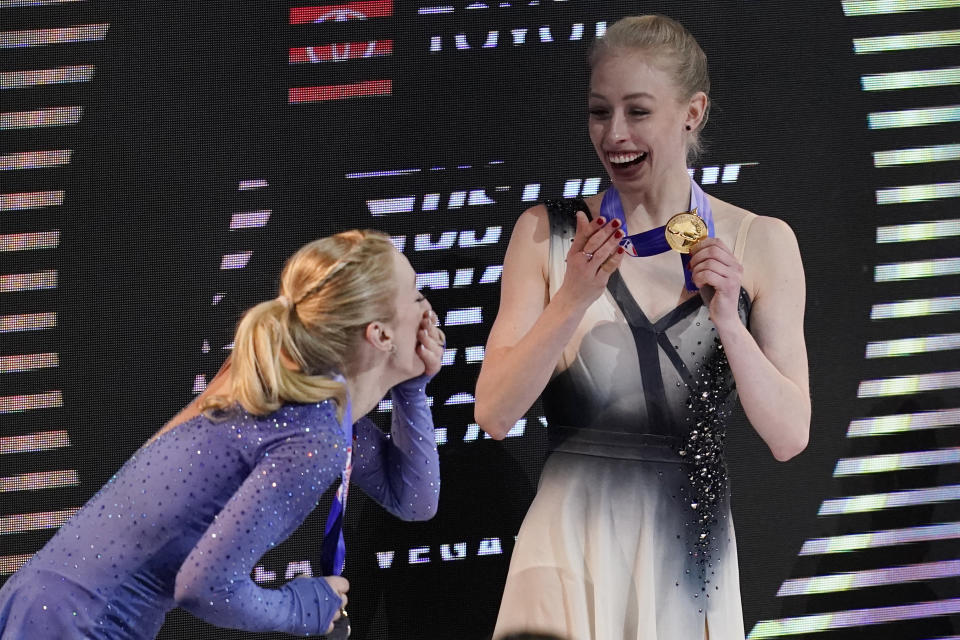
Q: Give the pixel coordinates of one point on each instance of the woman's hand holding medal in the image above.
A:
(340, 586)
(593, 256)
(719, 274)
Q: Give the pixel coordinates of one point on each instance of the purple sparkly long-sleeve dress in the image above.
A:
(186, 519)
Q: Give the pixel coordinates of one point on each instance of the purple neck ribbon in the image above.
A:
(333, 550)
(654, 241)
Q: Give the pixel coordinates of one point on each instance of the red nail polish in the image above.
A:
(601, 221)
(615, 224)
(618, 235)
(619, 249)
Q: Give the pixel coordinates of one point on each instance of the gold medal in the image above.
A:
(685, 230)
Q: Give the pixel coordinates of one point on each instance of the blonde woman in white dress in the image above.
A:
(638, 360)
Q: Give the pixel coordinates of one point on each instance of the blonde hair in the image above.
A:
(330, 290)
(666, 38)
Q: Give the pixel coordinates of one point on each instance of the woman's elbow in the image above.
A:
(428, 511)
(490, 420)
(186, 593)
(420, 512)
(789, 449)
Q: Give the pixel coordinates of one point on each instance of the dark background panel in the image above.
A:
(190, 99)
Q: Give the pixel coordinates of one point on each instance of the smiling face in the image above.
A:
(410, 306)
(638, 119)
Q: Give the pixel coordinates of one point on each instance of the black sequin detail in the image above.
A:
(568, 207)
(703, 451)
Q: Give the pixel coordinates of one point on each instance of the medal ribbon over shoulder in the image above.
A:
(654, 241)
(333, 549)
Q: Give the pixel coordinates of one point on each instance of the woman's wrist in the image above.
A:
(730, 329)
(417, 384)
(568, 304)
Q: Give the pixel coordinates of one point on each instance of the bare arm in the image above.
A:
(531, 330)
(769, 362)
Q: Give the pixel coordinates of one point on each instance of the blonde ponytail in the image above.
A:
(289, 349)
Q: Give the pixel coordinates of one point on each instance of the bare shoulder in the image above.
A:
(763, 229)
(529, 244)
(531, 232)
(772, 258)
(769, 248)
(770, 238)
(533, 224)
(727, 218)
(726, 213)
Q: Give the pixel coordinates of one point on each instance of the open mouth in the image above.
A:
(626, 159)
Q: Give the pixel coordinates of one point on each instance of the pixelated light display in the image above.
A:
(43, 37)
(17, 282)
(249, 219)
(40, 77)
(886, 538)
(880, 7)
(896, 461)
(913, 117)
(920, 155)
(31, 401)
(9, 564)
(890, 500)
(7, 4)
(913, 346)
(34, 521)
(54, 117)
(36, 155)
(30, 241)
(904, 271)
(39, 480)
(918, 193)
(870, 578)
(34, 200)
(906, 41)
(853, 618)
(903, 385)
(34, 442)
(915, 308)
(35, 159)
(914, 269)
(903, 422)
(911, 79)
(918, 231)
(28, 322)
(335, 64)
(28, 362)
(235, 260)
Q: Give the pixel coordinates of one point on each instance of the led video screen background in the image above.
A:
(160, 160)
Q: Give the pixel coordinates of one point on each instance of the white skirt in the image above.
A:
(604, 553)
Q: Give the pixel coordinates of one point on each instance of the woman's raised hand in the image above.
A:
(593, 256)
(432, 341)
(713, 265)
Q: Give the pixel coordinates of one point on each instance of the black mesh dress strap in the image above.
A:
(567, 208)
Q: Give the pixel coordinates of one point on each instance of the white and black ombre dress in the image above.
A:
(630, 535)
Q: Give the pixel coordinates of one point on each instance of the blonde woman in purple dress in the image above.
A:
(185, 520)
